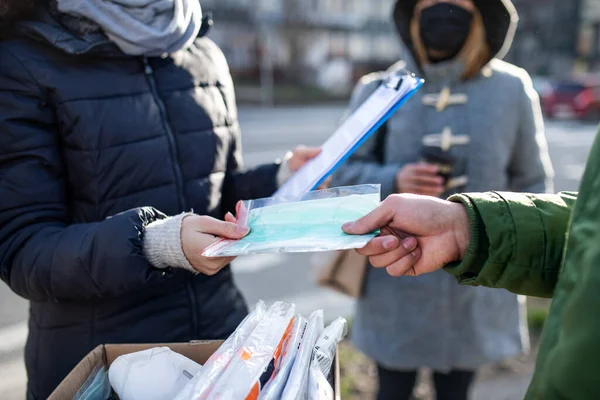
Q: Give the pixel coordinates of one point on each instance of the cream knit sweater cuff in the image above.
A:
(162, 239)
(162, 243)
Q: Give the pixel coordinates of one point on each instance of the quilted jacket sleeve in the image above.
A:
(517, 241)
(239, 183)
(242, 184)
(42, 256)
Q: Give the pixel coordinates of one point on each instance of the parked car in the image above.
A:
(572, 99)
(542, 85)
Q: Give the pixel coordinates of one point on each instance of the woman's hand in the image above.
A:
(418, 234)
(420, 179)
(300, 156)
(199, 232)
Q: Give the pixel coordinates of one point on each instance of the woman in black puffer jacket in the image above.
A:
(110, 121)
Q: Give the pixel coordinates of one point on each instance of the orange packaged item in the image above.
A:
(255, 362)
(274, 389)
(202, 383)
(297, 384)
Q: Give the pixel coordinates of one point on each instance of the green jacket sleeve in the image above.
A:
(517, 241)
(570, 348)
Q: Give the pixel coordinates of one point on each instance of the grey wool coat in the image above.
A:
(493, 126)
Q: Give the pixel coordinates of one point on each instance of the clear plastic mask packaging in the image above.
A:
(254, 363)
(297, 384)
(97, 386)
(311, 224)
(274, 389)
(204, 381)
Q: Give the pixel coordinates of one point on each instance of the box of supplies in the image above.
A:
(105, 355)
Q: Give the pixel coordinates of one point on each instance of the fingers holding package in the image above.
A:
(419, 234)
(198, 232)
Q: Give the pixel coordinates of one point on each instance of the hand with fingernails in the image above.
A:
(199, 232)
(420, 178)
(300, 156)
(419, 234)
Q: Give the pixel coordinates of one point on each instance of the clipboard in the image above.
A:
(393, 92)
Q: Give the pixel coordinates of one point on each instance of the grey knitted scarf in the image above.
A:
(142, 27)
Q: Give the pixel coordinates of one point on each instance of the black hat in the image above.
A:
(500, 19)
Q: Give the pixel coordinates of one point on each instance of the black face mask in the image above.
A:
(445, 28)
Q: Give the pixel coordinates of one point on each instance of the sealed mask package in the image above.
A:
(314, 223)
(97, 386)
(297, 384)
(274, 389)
(254, 364)
(204, 381)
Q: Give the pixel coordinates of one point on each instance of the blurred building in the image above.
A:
(301, 36)
(547, 40)
(589, 41)
(296, 39)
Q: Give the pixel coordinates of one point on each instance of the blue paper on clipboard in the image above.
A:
(365, 121)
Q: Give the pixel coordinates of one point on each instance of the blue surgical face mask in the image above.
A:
(314, 224)
(98, 388)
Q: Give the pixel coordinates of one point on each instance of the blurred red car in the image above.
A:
(572, 99)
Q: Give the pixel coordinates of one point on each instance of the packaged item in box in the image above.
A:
(327, 343)
(319, 386)
(97, 386)
(297, 384)
(199, 387)
(154, 374)
(254, 363)
(274, 389)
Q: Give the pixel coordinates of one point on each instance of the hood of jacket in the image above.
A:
(500, 19)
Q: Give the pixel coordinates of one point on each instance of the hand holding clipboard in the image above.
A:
(279, 223)
(365, 121)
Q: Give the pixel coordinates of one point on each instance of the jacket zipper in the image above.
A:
(178, 180)
(172, 145)
(193, 310)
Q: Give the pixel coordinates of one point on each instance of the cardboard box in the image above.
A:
(106, 354)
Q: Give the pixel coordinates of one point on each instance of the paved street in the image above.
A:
(268, 134)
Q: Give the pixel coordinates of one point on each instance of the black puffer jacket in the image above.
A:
(94, 145)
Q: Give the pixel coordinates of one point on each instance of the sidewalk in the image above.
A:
(288, 95)
(499, 382)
